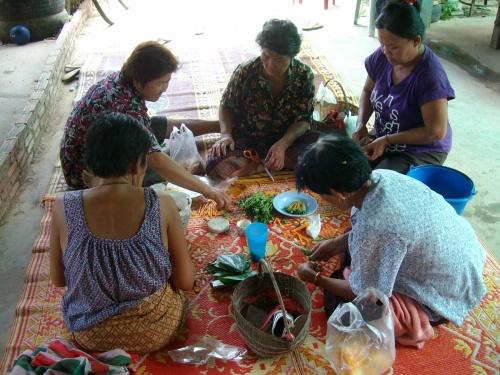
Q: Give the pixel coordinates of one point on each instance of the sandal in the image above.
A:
(312, 26)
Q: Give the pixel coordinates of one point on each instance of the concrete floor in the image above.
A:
(473, 115)
(18, 80)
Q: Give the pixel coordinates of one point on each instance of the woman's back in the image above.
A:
(418, 245)
(114, 211)
(115, 255)
(108, 245)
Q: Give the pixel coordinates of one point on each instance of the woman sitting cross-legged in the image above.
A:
(405, 240)
(119, 248)
(145, 76)
(408, 91)
(266, 108)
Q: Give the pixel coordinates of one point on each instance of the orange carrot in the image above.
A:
(302, 238)
(299, 228)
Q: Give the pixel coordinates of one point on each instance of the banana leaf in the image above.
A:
(229, 263)
(234, 279)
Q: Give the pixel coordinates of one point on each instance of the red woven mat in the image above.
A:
(195, 93)
(471, 349)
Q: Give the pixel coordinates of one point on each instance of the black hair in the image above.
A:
(402, 17)
(114, 143)
(332, 162)
(280, 36)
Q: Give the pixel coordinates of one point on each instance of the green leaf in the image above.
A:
(233, 279)
(229, 264)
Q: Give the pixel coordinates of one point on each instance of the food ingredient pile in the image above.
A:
(258, 206)
(297, 207)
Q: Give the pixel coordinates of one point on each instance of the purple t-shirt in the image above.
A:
(397, 107)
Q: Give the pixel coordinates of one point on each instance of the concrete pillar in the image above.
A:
(495, 37)
(426, 12)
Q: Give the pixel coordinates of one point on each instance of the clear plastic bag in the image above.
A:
(360, 335)
(313, 226)
(183, 148)
(206, 349)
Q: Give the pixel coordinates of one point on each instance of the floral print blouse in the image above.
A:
(109, 94)
(256, 113)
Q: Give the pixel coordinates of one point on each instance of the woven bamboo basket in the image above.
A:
(344, 102)
(264, 344)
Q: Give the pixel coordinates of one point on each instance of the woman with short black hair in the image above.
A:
(119, 248)
(405, 240)
(145, 76)
(408, 90)
(266, 107)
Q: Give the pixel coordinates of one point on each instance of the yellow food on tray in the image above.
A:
(297, 207)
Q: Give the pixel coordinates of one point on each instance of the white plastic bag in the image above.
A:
(324, 94)
(328, 101)
(350, 125)
(360, 335)
(313, 226)
(183, 148)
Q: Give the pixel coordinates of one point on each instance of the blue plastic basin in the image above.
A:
(455, 187)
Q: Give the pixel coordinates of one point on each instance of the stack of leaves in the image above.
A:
(230, 269)
(258, 206)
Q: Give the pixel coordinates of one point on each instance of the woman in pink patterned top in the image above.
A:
(144, 76)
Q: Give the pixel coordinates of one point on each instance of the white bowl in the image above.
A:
(218, 225)
(183, 202)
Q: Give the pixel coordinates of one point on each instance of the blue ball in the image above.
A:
(20, 35)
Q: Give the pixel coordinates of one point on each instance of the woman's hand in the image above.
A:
(329, 248)
(223, 145)
(222, 199)
(376, 149)
(275, 158)
(307, 271)
(360, 133)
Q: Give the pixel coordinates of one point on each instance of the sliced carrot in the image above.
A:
(301, 237)
(299, 228)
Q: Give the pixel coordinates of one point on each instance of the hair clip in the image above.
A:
(344, 162)
(410, 2)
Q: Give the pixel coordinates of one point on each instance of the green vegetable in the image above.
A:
(297, 207)
(305, 251)
(258, 206)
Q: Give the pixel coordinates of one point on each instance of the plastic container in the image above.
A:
(455, 187)
(256, 234)
(241, 225)
(218, 225)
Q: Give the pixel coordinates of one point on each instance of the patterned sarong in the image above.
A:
(149, 326)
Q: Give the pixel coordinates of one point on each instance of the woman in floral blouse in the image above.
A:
(266, 107)
(144, 76)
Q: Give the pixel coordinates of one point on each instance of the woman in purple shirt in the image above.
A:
(408, 90)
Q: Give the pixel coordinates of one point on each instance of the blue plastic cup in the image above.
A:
(256, 234)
